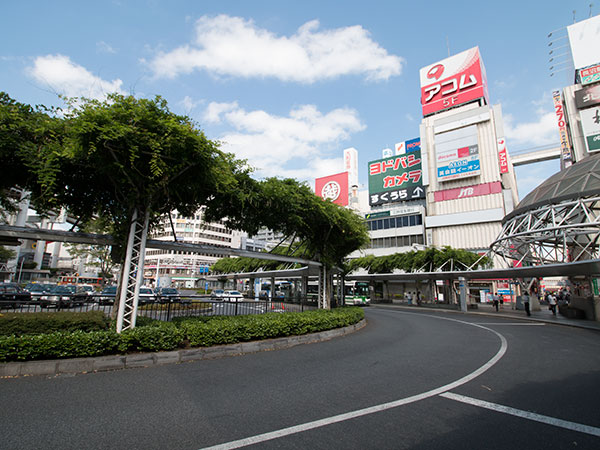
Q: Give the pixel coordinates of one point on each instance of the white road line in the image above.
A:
(373, 409)
(524, 414)
(512, 324)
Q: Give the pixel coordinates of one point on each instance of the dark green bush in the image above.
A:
(58, 345)
(162, 336)
(50, 322)
(156, 337)
(228, 330)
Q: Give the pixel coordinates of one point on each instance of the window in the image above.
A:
(412, 221)
(405, 221)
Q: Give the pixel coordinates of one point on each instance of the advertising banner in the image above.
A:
(582, 36)
(334, 188)
(565, 147)
(413, 145)
(590, 123)
(457, 154)
(468, 191)
(396, 179)
(502, 155)
(351, 165)
(590, 75)
(588, 96)
(408, 146)
(452, 82)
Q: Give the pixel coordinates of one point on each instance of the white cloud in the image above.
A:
(539, 132)
(232, 46)
(103, 47)
(65, 77)
(294, 146)
(188, 104)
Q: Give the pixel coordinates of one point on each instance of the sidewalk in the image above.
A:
(506, 311)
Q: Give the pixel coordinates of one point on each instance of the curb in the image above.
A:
(138, 360)
(582, 325)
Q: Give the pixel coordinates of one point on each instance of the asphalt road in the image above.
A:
(406, 380)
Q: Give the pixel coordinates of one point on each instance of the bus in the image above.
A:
(80, 280)
(357, 293)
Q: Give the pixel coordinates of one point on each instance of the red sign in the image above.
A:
(468, 191)
(502, 155)
(334, 188)
(452, 82)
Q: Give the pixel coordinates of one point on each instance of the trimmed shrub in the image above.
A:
(47, 322)
(58, 345)
(162, 336)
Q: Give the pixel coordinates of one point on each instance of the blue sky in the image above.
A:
(289, 85)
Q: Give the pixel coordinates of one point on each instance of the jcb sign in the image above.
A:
(454, 81)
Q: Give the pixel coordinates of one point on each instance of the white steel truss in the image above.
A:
(133, 271)
(564, 232)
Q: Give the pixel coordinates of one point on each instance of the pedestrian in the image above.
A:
(552, 302)
(409, 298)
(419, 298)
(526, 302)
(496, 300)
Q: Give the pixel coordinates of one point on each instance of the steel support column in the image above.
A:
(133, 271)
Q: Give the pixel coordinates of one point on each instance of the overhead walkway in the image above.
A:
(534, 155)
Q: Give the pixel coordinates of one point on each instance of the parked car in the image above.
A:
(107, 296)
(217, 294)
(168, 294)
(60, 296)
(233, 296)
(12, 295)
(147, 295)
(38, 289)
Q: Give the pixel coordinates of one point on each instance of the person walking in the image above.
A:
(552, 302)
(496, 300)
(526, 302)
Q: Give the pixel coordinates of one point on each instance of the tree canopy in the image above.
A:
(125, 154)
(106, 159)
(430, 259)
(325, 231)
(25, 134)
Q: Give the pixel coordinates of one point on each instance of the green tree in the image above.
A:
(100, 255)
(325, 231)
(25, 134)
(6, 254)
(124, 154)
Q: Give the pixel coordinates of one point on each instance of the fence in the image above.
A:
(160, 308)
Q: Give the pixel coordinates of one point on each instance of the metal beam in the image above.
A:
(37, 234)
(530, 157)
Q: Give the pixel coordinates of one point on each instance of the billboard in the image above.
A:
(411, 145)
(590, 123)
(502, 155)
(494, 187)
(453, 81)
(583, 38)
(351, 165)
(590, 75)
(565, 146)
(334, 188)
(587, 96)
(396, 179)
(457, 154)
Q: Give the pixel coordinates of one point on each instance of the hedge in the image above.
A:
(46, 322)
(182, 332)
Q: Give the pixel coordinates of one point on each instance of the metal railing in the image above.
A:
(162, 308)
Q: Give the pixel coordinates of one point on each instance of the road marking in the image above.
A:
(513, 324)
(523, 414)
(377, 408)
